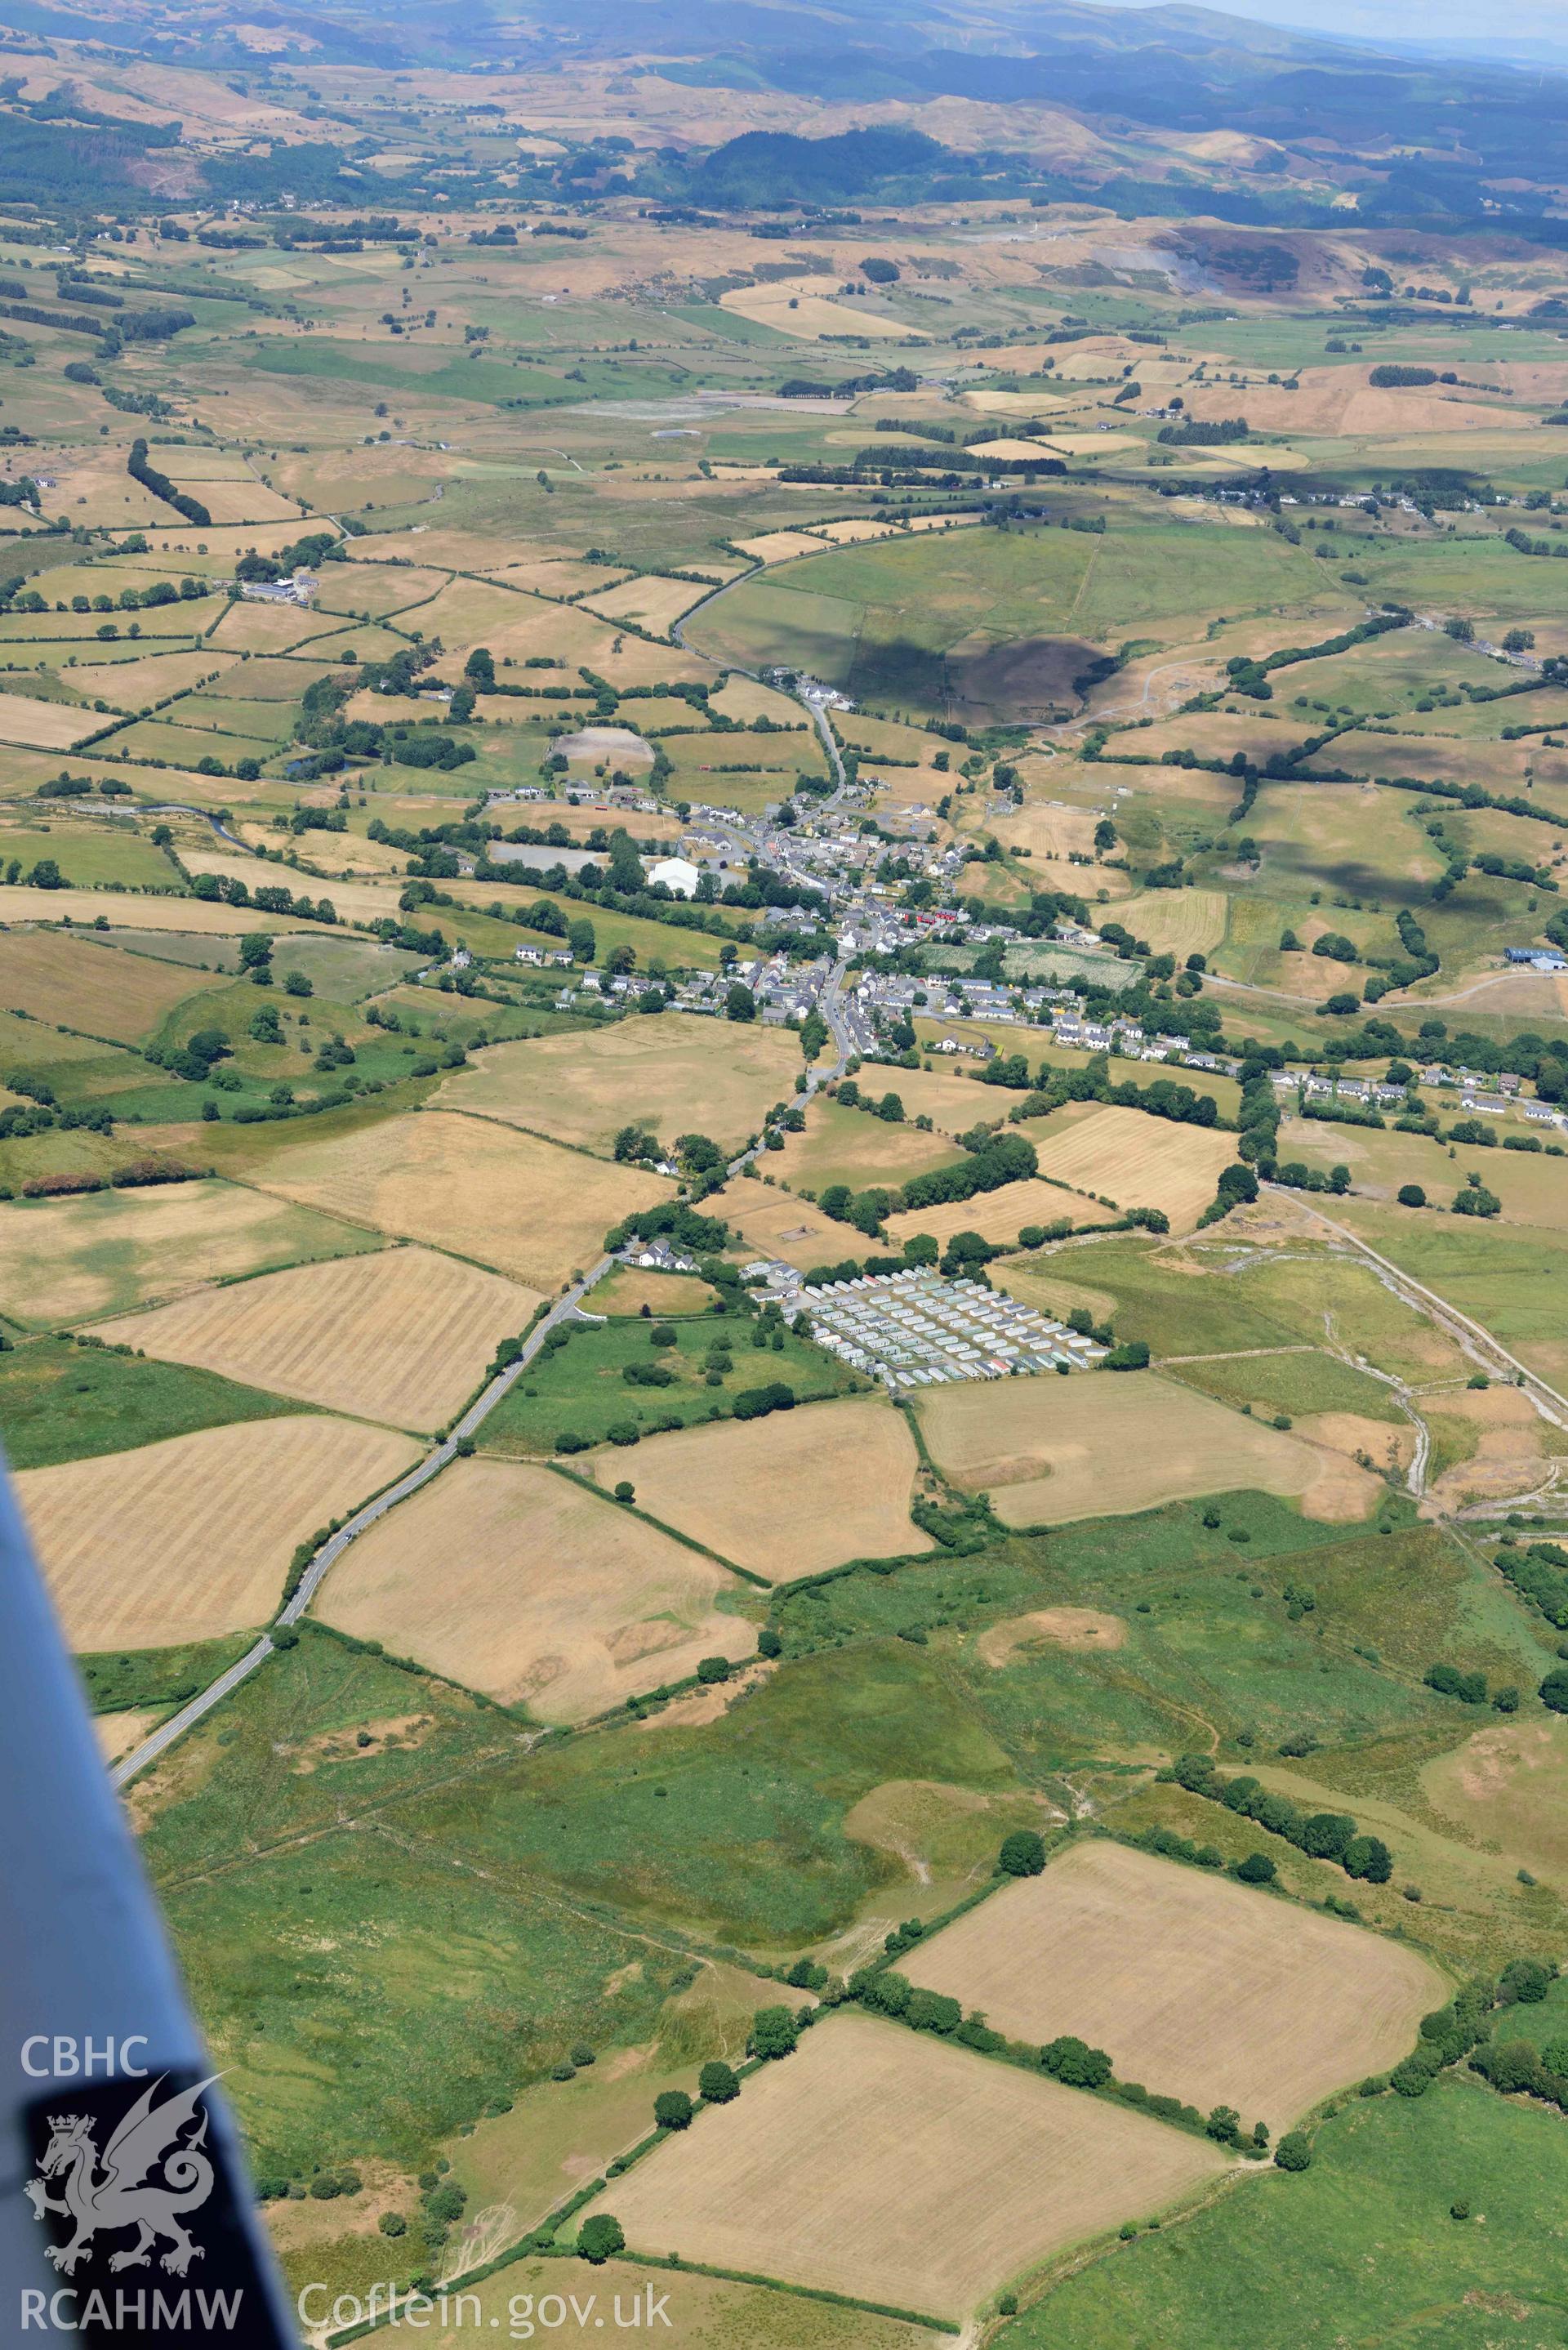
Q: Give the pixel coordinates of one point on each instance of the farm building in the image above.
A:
(677, 873)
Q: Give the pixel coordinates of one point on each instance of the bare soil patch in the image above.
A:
(1083, 1629)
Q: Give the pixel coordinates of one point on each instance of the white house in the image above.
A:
(678, 874)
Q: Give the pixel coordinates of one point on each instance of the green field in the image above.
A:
(1293, 1383)
(1361, 2248)
(1513, 1281)
(428, 1994)
(882, 621)
(157, 1678)
(65, 1402)
(89, 857)
(579, 1388)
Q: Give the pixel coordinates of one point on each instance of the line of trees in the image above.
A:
(159, 485)
(1324, 1835)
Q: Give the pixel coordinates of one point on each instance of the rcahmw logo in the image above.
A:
(148, 2179)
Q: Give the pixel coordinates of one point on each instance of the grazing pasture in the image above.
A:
(190, 1539)
(670, 1074)
(1200, 1988)
(845, 1146)
(517, 1582)
(893, 2165)
(786, 1495)
(1107, 1445)
(71, 1260)
(402, 1335)
(468, 1184)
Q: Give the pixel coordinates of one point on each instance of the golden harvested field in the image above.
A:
(946, 1093)
(1104, 1444)
(787, 1496)
(893, 2165)
(402, 1335)
(118, 1732)
(998, 1216)
(745, 700)
(781, 546)
(71, 1260)
(798, 307)
(43, 726)
(518, 1582)
(554, 575)
(127, 912)
(1198, 1987)
(237, 501)
(671, 1074)
(137, 684)
(190, 1539)
(268, 627)
(705, 2313)
(1135, 1160)
(470, 1185)
(652, 602)
(88, 986)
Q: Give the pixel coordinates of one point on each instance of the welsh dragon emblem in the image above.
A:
(145, 2179)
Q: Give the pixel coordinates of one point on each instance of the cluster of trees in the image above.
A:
(316, 547)
(1236, 1187)
(1193, 433)
(992, 1163)
(757, 1403)
(673, 1221)
(1539, 1571)
(1471, 2026)
(159, 485)
(1470, 1688)
(1324, 1835)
